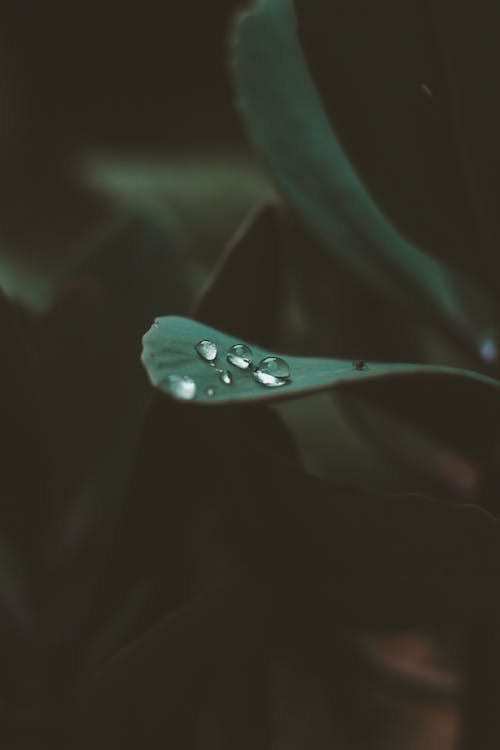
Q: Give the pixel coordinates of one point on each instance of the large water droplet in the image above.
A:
(226, 377)
(272, 372)
(207, 350)
(275, 366)
(180, 386)
(240, 356)
(210, 391)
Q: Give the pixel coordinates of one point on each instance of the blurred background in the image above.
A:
(113, 106)
(120, 108)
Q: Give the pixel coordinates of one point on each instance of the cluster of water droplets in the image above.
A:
(207, 350)
(271, 372)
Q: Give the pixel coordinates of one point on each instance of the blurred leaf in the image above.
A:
(23, 417)
(138, 263)
(93, 419)
(245, 294)
(342, 436)
(125, 279)
(288, 123)
(381, 559)
(405, 125)
(152, 690)
(205, 197)
(312, 557)
(482, 728)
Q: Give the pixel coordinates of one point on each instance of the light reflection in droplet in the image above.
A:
(180, 386)
(241, 356)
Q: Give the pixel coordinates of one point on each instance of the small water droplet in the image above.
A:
(275, 366)
(489, 350)
(359, 364)
(226, 377)
(180, 386)
(207, 350)
(210, 391)
(240, 356)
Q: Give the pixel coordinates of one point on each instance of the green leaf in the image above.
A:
(137, 262)
(96, 395)
(287, 122)
(388, 557)
(312, 558)
(153, 688)
(169, 349)
(251, 262)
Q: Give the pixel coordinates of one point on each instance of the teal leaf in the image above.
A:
(289, 125)
(170, 352)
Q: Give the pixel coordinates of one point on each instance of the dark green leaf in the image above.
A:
(152, 690)
(245, 294)
(93, 420)
(289, 125)
(383, 558)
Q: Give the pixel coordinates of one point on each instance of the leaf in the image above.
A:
(288, 124)
(246, 291)
(169, 349)
(93, 419)
(137, 262)
(379, 559)
(313, 558)
(23, 418)
(342, 437)
(152, 689)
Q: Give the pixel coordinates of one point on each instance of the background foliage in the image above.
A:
(309, 567)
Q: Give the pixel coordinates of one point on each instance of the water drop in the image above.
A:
(275, 366)
(272, 372)
(207, 350)
(180, 386)
(226, 377)
(240, 356)
(210, 391)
